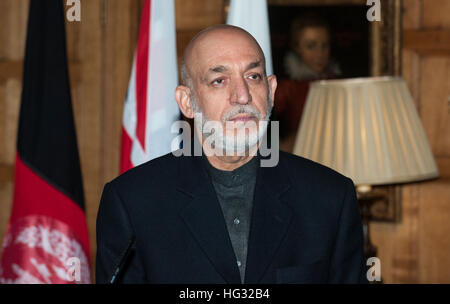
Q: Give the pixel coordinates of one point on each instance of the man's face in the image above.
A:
(229, 81)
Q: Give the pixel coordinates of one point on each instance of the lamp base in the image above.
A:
(365, 203)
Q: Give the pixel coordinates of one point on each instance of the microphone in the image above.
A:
(122, 260)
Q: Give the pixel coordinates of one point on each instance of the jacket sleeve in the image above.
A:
(114, 232)
(348, 261)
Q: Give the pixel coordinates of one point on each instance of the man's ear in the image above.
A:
(183, 98)
(272, 80)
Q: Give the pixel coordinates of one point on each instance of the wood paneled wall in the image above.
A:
(100, 52)
(416, 249)
(13, 17)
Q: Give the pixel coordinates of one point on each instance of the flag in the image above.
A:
(47, 237)
(253, 16)
(150, 107)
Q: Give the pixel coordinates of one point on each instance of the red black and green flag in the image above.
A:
(47, 238)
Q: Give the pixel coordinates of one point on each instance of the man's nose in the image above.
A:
(240, 93)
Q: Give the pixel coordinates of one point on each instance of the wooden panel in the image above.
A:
(88, 110)
(4, 32)
(121, 31)
(13, 89)
(443, 164)
(412, 12)
(14, 69)
(6, 173)
(13, 22)
(410, 59)
(436, 13)
(13, 27)
(434, 237)
(73, 38)
(183, 38)
(435, 104)
(10, 69)
(6, 192)
(2, 124)
(411, 73)
(396, 244)
(198, 14)
(427, 40)
(317, 2)
(385, 237)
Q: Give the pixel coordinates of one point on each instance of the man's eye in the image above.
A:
(218, 81)
(255, 76)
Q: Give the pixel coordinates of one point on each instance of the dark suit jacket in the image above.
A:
(305, 226)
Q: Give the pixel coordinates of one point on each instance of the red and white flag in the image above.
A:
(150, 107)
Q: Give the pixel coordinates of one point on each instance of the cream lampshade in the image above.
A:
(367, 129)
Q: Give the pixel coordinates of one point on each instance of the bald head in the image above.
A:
(224, 71)
(217, 37)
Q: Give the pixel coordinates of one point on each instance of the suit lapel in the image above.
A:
(270, 221)
(203, 216)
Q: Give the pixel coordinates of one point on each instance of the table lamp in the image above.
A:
(367, 129)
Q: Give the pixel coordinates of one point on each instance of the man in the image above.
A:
(221, 217)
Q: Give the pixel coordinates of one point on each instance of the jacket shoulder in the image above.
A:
(317, 190)
(149, 172)
(311, 172)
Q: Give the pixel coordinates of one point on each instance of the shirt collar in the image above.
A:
(239, 176)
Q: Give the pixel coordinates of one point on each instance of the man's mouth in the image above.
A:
(242, 118)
